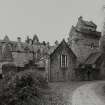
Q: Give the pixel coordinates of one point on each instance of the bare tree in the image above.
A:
(103, 28)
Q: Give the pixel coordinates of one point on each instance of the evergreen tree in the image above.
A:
(27, 39)
(102, 39)
(56, 43)
(44, 43)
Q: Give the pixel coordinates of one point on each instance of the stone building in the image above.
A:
(84, 39)
(62, 62)
(21, 53)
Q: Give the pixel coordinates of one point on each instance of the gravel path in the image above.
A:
(89, 94)
(66, 89)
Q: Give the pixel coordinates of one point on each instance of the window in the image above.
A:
(92, 45)
(63, 61)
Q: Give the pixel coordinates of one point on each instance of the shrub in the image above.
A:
(8, 71)
(42, 81)
(22, 90)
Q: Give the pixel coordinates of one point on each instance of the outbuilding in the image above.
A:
(62, 62)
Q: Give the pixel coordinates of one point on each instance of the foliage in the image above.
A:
(27, 40)
(21, 90)
(8, 70)
(42, 81)
(102, 44)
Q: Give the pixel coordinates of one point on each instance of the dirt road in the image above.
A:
(89, 94)
(65, 90)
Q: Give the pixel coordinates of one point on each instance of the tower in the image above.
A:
(84, 39)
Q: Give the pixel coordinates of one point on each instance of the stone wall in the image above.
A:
(84, 39)
(83, 45)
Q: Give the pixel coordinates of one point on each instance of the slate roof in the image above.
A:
(92, 58)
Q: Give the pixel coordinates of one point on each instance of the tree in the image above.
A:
(56, 43)
(27, 39)
(48, 45)
(44, 43)
(23, 89)
(102, 44)
(102, 39)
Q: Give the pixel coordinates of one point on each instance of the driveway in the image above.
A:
(65, 90)
(89, 94)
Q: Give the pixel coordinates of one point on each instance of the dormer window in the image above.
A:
(63, 61)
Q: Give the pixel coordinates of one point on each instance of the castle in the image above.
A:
(60, 60)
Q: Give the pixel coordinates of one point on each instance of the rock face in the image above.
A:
(84, 39)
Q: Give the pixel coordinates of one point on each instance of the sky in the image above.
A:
(50, 19)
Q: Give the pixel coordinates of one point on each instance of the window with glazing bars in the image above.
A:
(63, 61)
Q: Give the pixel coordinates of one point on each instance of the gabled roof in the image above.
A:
(92, 58)
(51, 50)
(63, 42)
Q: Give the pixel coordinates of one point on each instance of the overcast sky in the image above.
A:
(50, 19)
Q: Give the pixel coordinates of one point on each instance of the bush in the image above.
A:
(42, 81)
(8, 70)
(22, 90)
